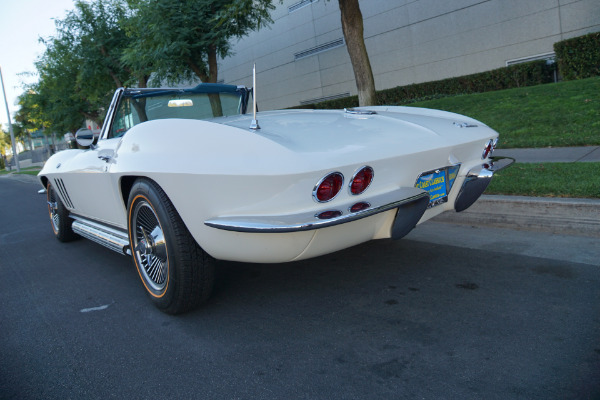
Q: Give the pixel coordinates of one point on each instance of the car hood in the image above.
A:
(414, 129)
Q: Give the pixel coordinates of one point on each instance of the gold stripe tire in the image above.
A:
(176, 273)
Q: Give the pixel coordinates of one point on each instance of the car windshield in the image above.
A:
(137, 106)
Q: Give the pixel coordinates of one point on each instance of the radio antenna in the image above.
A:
(254, 124)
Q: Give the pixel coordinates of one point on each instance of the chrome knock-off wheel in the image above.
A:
(149, 246)
(59, 216)
(53, 209)
(177, 274)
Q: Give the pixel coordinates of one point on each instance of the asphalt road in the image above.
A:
(409, 319)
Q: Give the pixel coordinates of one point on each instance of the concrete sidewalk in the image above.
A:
(567, 216)
(545, 214)
(552, 154)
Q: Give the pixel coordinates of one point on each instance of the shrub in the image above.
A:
(579, 57)
(519, 75)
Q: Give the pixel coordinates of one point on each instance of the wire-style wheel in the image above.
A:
(53, 209)
(59, 216)
(150, 249)
(177, 274)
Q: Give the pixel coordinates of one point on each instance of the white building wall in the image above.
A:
(408, 41)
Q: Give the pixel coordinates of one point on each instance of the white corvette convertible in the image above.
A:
(180, 177)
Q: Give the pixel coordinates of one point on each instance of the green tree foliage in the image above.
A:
(30, 116)
(183, 38)
(4, 142)
(82, 66)
(105, 44)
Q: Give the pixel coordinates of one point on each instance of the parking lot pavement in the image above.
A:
(548, 245)
(449, 312)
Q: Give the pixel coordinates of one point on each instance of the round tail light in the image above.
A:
(328, 187)
(359, 207)
(361, 180)
(329, 214)
(488, 149)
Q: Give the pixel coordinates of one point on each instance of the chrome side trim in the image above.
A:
(107, 236)
(307, 221)
(108, 120)
(477, 180)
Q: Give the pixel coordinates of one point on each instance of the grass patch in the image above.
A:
(555, 114)
(548, 180)
(30, 172)
(24, 171)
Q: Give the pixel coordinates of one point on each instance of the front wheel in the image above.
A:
(59, 217)
(177, 274)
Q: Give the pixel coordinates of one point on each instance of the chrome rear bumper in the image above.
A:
(477, 180)
(402, 198)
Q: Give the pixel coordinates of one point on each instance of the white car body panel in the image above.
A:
(221, 169)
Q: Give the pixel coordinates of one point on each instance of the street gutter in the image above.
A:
(566, 216)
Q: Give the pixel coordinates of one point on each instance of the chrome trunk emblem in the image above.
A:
(464, 125)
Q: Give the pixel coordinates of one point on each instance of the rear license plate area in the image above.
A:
(438, 184)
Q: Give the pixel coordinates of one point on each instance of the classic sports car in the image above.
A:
(180, 177)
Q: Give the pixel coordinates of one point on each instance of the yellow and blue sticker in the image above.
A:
(438, 184)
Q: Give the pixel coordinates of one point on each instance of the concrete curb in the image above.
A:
(555, 215)
(25, 178)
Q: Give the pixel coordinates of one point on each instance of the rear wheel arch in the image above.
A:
(126, 183)
(177, 273)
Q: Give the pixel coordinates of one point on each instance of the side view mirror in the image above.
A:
(85, 137)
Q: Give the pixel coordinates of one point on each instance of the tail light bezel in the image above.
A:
(358, 171)
(315, 192)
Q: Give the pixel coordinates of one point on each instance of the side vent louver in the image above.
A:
(63, 193)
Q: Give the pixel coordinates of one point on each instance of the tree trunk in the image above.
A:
(211, 77)
(352, 26)
(215, 99)
(212, 63)
(140, 108)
